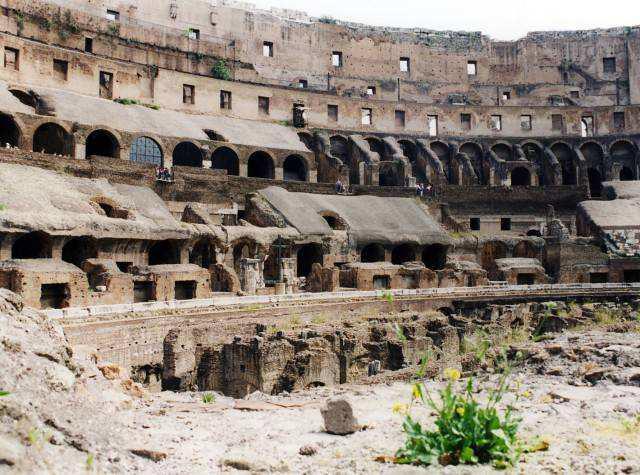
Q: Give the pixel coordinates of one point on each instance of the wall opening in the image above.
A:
(599, 277)
(185, 289)
(434, 256)
(403, 253)
(78, 250)
(381, 282)
(595, 182)
(146, 150)
(372, 253)
(260, 165)
(526, 279)
(308, 255)
(564, 154)
(520, 177)
(294, 168)
(626, 174)
(9, 132)
(52, 139)
(187, 154)
(34, 245)
(525, 249)
(164, 252)
(224, 158)
(102, 143)
(203, 254)
(632, 276)
(491, 251)
(143, 292)
(54, 296)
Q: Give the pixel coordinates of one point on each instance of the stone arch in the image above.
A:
(474, 151)
(389, 175)
(306, 257)
(203, 253)
(146, 150)
(244, 248)
(520, 176)
(403, 253)
(491, 251)
(534, 153)
(260, 165)
(525, 249)
(564, 154)
(334, 221)
(443, 152)
(503, 150)
(34, 245)
(187, 154)
(339, 147)
(294, 168)
(410, 150)
(164, 252)
(623, 153)
(307, 139)
(225, 158)
(52, 138)
(102, 143)
(373, 252)
(10, 132)
(434, 256)
(376, 145)
(77, 250)
(627, 174)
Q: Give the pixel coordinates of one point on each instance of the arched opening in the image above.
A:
(52, 139)
(187, 154)
(526, 250)
(78, 250)
(491, 251)
(102, 143)
(339, 147)
(260, 165)
(146, 150)
(203, 253)
(595, 182)
(308, 255)
(243, 250)
(410, 151)
(372, 253)
(388, 174)
(441, 150)
(307, 139)
(434, 256)
(294, 168)
(503, 151)
(36, 245)
(626, 174)
(520, 176)
(564, 154)
(403, 253)
(534, 232)
(474, 152)
(224, 158)
(334, 221)
(376, 145)
(533, 153)
(592, 153)
(164, 252)
(9, 132)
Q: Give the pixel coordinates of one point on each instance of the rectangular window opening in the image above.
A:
(336, 59)
(193, 33)
(113, 15)
(557, 122)
(465, 121)
(432, 121)
(496, 122)
(474, 224)
(303, 83)
(525, 122)
(367, 116)
(332, 112)
(619, 122)
(400, 119)
(263, 105)
(11, 58)
(587, 126)
(88, 45)
(405, 65)
(225, 100)
(54, 296)
(505, 224)
(472, 68)
(185, 290)
(371, 91)
(106, 85)
(267, 49)
(60, 69)
(609, 65)
(506, 96)
(188, 94)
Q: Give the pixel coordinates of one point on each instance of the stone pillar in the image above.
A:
(279, 173)
(313, 176)
(250, 276)
(244, 169)
(80, 151)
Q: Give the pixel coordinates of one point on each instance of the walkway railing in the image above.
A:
(455, 293)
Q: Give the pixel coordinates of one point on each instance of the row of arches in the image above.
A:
(433, 256)
(51, 138)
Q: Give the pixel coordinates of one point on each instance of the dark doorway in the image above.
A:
(203, 254)
(35, 245)
(403, 253)
(381, 282)
(434, 257)
(52, 139)
(103, 144)
(164, 252)
(308, 255)
(595, 182)
(632, 276)
(520, 177)
(599, 277)
(9, 132)
(226, 159)
(626, 174)
(185, 290)
(526, 279)
(78, 250)
(294, 169)
(372, 253)
(54, 296)
(260, 165)
(187, 154)
(143, 292)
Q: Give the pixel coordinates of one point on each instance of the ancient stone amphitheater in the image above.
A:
(178, 178)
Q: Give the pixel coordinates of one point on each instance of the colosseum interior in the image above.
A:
(162, 155)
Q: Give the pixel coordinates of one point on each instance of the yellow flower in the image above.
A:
(416, 392)
(452, 374)
(399, 408)
(460, 411)
(526, 394)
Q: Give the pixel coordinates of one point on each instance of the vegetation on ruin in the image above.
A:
(466, 431)
(132, 102)
(208, 398)
(221, 71)
(67, 26)
(328, 20)
(4, 393)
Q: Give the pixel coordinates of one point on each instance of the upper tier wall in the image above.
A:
(531, 70)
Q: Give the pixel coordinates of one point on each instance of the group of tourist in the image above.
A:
(424, 189)
(340, 188)
(163, 174)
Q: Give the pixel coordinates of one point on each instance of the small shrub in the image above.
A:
(114, 29)
(89, 462)
(208, 398)
(4, 393)
(221, 71)
(466, 432)
(388, 296)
